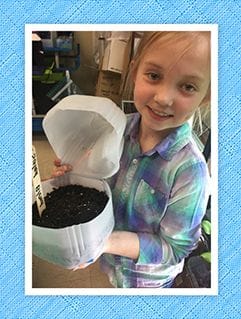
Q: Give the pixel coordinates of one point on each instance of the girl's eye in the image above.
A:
(153, 76)
(190, 88)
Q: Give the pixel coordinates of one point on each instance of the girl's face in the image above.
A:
(171, 81)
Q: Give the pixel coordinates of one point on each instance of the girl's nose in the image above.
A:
(164, 96)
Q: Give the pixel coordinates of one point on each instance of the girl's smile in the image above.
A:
(171, 82)
(157, 114)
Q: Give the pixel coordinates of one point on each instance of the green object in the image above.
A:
(49, 77)
(206, 256)
(206, 225)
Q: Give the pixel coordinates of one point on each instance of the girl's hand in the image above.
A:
(60, 169)
(85, 265)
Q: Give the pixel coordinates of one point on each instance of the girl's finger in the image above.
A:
(57, 172)
(61, 170)
(57, 162)
(67, 167)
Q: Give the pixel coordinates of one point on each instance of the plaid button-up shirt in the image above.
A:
(161, 195)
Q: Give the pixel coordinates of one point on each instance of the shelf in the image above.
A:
(59, 54)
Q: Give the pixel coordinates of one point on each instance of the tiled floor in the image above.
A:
(46, 275)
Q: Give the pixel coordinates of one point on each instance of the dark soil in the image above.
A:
(70, 205)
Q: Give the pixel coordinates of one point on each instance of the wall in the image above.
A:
(86, 76)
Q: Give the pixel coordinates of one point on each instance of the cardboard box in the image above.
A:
(126, 85)
(108, 85)
(113, 59)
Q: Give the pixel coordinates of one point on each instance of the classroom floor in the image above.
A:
(46, 275)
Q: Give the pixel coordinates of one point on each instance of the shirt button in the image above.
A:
(134, 161)
(153, 191)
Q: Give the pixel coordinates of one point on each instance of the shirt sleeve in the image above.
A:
(179, 229)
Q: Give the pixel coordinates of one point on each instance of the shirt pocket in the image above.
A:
(150, 202)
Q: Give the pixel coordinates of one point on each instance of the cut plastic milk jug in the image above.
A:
(86, 132)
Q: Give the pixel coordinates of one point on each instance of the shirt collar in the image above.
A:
(167, 148)
(132, 127)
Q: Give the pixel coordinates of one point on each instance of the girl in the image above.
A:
(160, 192)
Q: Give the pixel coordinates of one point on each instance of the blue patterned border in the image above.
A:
(14, 16)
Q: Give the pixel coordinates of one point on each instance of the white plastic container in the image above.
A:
(86, 132)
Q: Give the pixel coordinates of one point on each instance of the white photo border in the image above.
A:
(29, 28)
